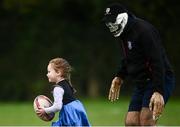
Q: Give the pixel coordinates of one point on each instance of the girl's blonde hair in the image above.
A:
(60, 64)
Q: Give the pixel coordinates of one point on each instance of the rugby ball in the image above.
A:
(42, 101)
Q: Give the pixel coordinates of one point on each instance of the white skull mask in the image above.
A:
(117, 27)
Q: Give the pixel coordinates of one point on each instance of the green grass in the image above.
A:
(100, 112)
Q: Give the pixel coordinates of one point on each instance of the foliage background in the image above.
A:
(33, 32)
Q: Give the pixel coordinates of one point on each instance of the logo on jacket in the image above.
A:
(107, 11)
(129, 45)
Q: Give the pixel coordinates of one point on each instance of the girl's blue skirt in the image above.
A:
(72, 114)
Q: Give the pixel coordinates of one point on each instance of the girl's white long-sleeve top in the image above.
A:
(58, 93)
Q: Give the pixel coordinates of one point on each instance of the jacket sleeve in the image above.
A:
(152, 48)
(122, 72)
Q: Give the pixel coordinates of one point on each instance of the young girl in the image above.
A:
(72, 112)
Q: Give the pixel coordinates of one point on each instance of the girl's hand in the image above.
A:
(41, 112)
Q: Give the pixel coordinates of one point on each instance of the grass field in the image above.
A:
(100, 112)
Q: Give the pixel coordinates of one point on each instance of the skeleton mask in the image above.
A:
(117, 27)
